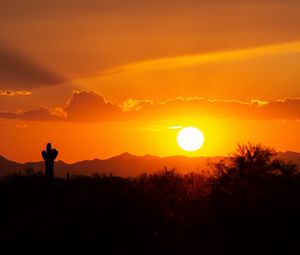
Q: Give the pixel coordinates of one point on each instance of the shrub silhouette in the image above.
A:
(49, 155)
(29, 171)
(254, 160)
(256, 197)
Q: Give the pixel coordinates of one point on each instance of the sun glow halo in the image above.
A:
(190, 139)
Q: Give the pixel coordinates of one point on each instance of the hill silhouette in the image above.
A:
(126, 164)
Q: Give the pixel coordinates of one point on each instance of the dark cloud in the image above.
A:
(19, 72)
(90, 106)
(288, 109)
(84, 106)
(40, 114)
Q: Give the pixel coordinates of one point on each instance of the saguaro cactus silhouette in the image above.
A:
(49, 155)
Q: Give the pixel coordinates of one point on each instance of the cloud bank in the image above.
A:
(89, 106)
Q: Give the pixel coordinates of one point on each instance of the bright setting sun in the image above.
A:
(190, 139)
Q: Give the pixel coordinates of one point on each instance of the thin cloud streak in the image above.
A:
(14, 93)
(192, 60)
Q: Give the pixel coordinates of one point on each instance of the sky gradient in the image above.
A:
(98, 78)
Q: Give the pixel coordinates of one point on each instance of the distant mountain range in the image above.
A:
(126, 164)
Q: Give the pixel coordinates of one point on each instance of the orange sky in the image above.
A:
(98, 78)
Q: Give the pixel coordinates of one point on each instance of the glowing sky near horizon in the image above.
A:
(98, 78)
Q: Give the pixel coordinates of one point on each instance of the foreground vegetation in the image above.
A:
(247, 205)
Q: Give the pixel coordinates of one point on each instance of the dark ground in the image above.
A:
(164, 213)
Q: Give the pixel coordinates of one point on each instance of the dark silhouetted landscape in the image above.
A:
(248, 203)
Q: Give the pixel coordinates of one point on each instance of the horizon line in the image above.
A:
(135, 155)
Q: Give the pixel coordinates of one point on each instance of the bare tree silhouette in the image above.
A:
(254, 160)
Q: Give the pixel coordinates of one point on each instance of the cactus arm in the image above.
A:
(54, 154)
(44, 155)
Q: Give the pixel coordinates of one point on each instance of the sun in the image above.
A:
(190, 139)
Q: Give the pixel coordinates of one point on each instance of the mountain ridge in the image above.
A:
(127, 164)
